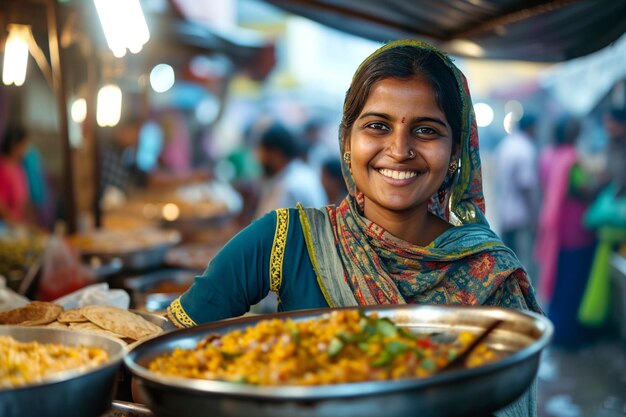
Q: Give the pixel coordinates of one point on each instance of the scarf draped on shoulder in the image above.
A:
(359, 263)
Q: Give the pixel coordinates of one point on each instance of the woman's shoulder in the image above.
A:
(471, 238)
(270, 222)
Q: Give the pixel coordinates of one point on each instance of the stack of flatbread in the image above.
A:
(111, 321)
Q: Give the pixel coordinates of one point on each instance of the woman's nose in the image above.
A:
(399, 145)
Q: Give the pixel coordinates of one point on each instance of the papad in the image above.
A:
(35, 313)
(73, 315)
(121, 321)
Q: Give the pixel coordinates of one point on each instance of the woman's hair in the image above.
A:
(278, 137)
(405, 62)
(13, 136)
(566, 130)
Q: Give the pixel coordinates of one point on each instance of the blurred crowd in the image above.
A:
(561, 212)
(565, 217)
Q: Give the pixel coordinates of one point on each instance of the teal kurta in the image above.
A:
(241, 274)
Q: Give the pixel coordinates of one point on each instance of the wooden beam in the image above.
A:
(56, 58)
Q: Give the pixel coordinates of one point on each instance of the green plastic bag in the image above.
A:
(595, 306)
(608, 215)
(607, 210)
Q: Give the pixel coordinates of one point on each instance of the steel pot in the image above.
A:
(78, 393)
(464, 392)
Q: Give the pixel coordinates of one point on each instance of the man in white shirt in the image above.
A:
(518, 188)
(288, 179)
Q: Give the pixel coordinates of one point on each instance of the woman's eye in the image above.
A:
(377, 126)
(425, 131)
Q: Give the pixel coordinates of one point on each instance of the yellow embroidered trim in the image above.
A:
(308, 238)
(177, 315)
(278, 249)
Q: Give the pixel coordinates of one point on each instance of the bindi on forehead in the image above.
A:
(403, 119)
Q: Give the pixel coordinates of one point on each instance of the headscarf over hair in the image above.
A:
(467, 264)
(460, 200)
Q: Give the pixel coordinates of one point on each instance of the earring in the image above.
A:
(411, 154)
(453, 167)
(346, 157)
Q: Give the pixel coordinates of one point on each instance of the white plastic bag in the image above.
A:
(9, 299)
(96, 294)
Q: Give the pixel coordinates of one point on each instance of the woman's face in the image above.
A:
(400, 115)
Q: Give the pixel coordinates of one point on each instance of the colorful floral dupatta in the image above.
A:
(358, 262)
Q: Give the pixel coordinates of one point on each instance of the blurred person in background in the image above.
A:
(174, 165)
(38, 191)
(316, 150)
(288, 180)
(564, 247)
(607, 215)
(246, 171)
(615, 126)
(14, 194)
(332, 180)
(118, 170)
(518, 189)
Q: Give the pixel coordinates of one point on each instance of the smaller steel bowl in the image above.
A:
(74, 393)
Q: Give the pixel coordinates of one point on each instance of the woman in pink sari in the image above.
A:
(13, 183)
(564, 247)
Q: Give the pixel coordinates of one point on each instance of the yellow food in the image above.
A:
(32, 362)
(343, 346)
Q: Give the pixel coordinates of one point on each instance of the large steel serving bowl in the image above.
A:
(74, 393)
(465, 392)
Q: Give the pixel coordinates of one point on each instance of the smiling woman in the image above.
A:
(401, 148)
(411, 230)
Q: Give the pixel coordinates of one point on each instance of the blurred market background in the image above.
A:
(142, 120)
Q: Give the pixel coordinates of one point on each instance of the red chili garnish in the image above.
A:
(425, 343)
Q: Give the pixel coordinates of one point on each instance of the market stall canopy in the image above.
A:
(580, 84)
(531, 30)
(174, 33)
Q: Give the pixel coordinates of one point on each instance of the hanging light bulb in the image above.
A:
(124, 25)
(79, 110)
(109, 105)
(16, 55)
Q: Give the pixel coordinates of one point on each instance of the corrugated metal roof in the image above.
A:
(533, 30)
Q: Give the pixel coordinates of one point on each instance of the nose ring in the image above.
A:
(411, 154)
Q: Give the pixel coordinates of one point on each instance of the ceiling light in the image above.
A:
(16, 55)
(124, 25)
(109, 105)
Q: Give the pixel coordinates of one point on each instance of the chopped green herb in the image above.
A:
(364, 346)
(428, 364)
(396, 348)
(386, 328)
(452, 353)
(295, 334)
(335, 346)
(384, 359)
(404, 332)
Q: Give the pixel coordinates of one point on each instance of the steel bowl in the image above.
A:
(74, 393)
(465, 392)
(124, 377)
(142, 287)
(128, 409)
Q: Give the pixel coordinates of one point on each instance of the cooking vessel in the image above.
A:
(464, 392)
(74, 393)
(124, 377)
(128, 409)
(142, 287)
